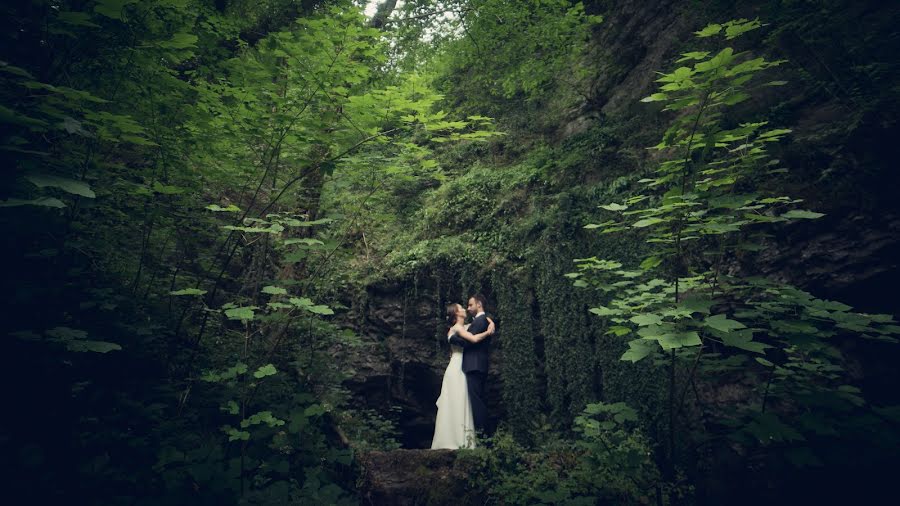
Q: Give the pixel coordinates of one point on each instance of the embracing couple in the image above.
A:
(461, 407)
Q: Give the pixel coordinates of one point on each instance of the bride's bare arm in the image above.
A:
(474, 338)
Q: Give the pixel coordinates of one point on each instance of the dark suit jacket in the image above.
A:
(475, 355)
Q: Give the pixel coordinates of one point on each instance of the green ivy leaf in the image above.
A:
(274, 290)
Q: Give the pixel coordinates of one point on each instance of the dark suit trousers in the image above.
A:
(475, 382)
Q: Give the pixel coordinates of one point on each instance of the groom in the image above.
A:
(475, 360)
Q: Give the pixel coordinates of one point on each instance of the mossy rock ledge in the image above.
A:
(419, 477)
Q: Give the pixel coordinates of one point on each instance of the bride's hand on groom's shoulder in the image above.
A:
(491, 328)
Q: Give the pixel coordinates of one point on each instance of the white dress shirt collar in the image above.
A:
(479, 314)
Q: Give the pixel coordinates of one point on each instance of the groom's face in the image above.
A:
(473, 306)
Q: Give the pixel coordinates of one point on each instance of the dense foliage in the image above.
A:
(201, 199)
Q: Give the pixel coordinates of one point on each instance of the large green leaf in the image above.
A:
(721, 322)
(63, 183)
(41, 202)
(646, 319)
(743, 339)
(638, 349)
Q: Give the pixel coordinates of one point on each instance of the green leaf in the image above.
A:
(801, 214)
(240, 313)
(646, 319)
(614, 207)
(304, 240)
(301, 302)
(274, 290)
(234, 434)
(721, 322)
(217, 208)
(619, 330)
(180, 41)
(743, 340)
(231, 408)
(764, 362)
(674, 340)
(250, 230)
(739, 27)
(266, 370)
(646, 222)
(66, 333)
(298, 223)
(92, 346)
(323, 310)
(709, 30)
(638, 349)
(65, 184)
(605, 311)
(650, 263)
(314, 410)
(696, 304)
(656, 97)
(167, 189)
(41, 202)
(188, 291)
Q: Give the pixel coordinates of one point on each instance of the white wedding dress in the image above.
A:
(454, 427)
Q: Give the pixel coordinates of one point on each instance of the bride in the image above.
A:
(454, 427)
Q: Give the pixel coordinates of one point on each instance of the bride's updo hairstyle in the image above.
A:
(451, 314)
